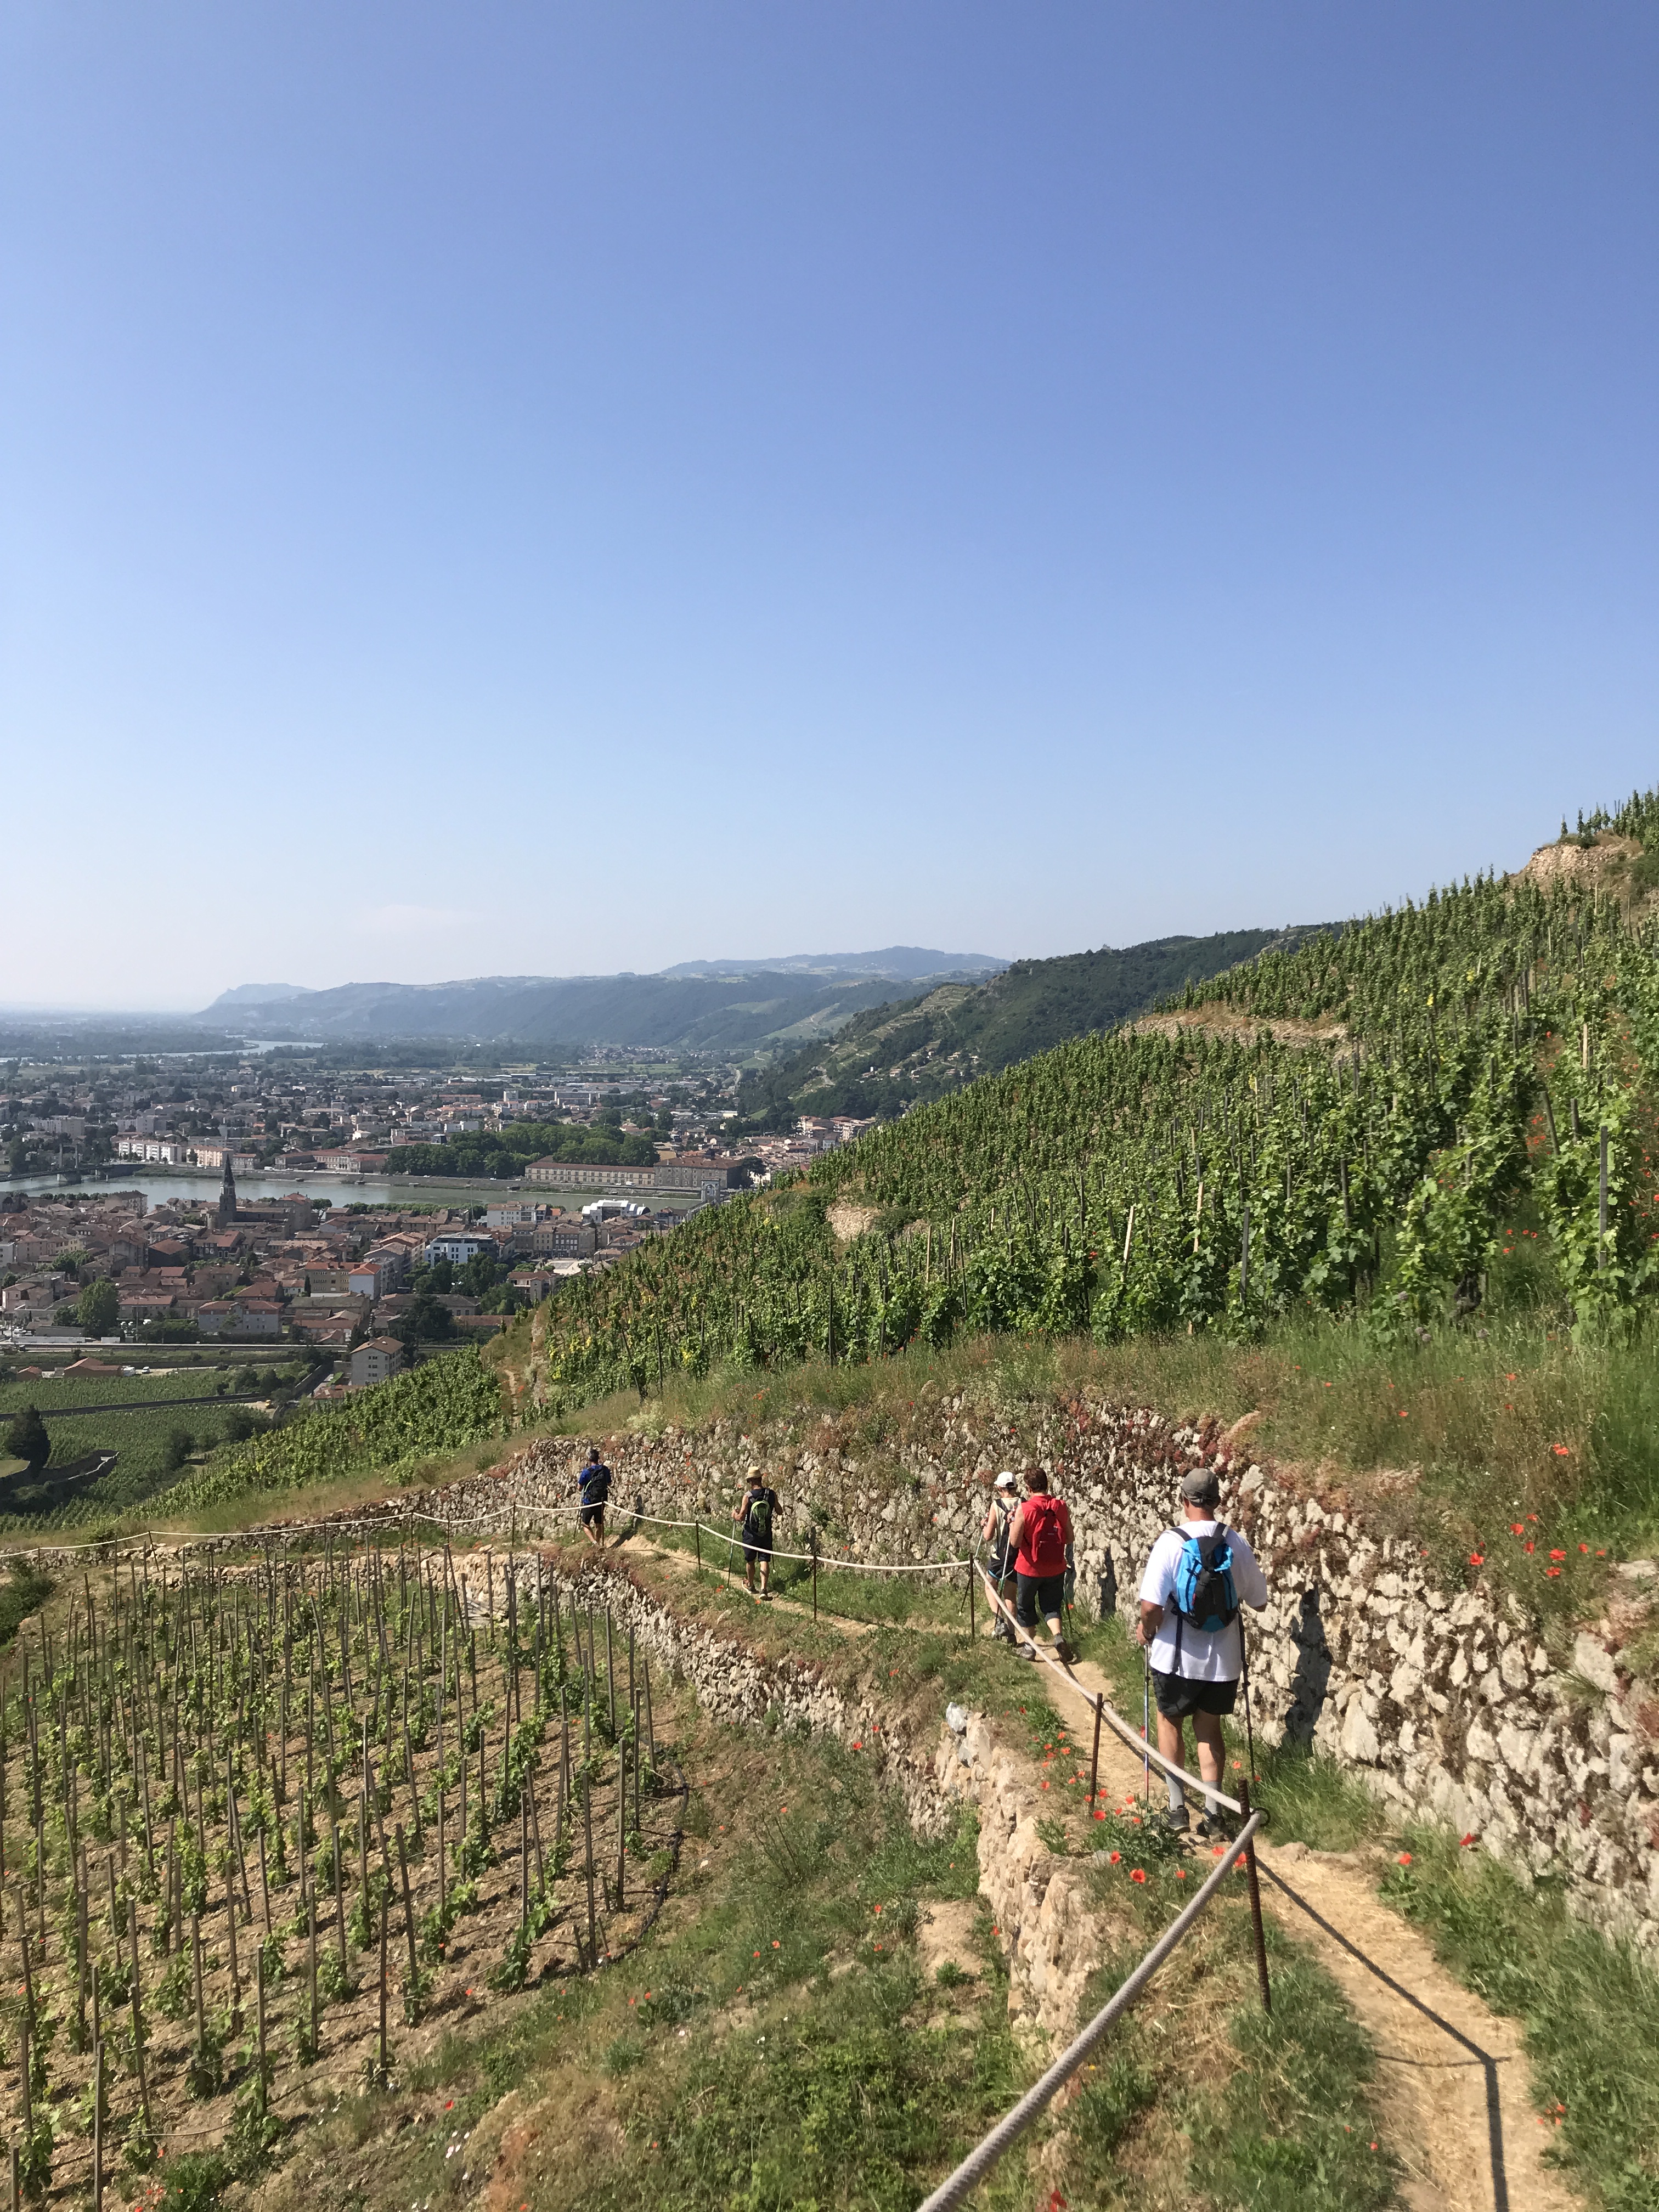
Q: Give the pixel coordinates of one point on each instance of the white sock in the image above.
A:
(1177, 1795)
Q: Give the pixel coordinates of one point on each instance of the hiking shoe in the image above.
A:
(1219, 1823)
(1026, 1651)
(1178, 1824)
(767, 1595)
(1064, 1652)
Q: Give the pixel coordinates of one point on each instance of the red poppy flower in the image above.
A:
(1404, 1859)
(1137, 1874)
(1466, 1840)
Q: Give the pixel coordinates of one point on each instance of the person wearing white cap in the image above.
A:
(998, 1521)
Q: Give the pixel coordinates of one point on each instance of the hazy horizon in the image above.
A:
(542, 491)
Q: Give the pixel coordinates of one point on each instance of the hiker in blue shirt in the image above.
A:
(1197, 1578)
(758, 1512)
(594, 1484)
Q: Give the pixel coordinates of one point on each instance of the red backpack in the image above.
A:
(1042, 1539)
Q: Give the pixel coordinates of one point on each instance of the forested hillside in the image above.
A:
(1486, 1056)
(914, 1049)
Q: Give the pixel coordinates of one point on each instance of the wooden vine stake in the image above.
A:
(588, 1827)
(383, 2071)
(260, 2003)
(409, 1924)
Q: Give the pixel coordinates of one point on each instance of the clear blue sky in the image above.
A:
(539, 487)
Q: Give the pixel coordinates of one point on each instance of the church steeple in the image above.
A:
(228, 1193)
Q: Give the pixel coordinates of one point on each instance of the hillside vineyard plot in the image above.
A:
(247, 1819)
(438, 1407)
(1488, 1056)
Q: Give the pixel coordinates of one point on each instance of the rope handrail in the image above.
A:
(270, 1531)
(979, 2161)
(1114, 1720)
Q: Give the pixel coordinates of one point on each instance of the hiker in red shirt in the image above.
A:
(1041, 1542)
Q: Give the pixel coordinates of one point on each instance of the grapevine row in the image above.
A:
(1443, 1064)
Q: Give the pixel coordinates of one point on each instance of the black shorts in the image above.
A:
(1176, 1697)
(753, 1551)
(593, 1516)
(1046, 1592)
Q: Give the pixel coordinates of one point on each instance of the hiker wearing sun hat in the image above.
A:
(998, 1521)
(1197, 1578)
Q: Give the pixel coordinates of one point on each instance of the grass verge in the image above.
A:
(1588, 2008)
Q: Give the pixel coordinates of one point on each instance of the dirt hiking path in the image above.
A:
(1452, 2076)
(1453, 2081)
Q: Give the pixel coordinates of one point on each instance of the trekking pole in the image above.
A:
(1146, 1718)
(1250, 1728)
(1256, 1927)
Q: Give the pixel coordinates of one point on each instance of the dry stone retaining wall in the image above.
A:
(1447, 1703)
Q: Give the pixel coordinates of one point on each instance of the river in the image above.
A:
(338, 1189)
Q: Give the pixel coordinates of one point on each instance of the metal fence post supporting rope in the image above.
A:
(1255, 1899)
(1094, 1757)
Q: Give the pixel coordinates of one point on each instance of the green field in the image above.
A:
(55, 1392)
(148, 1440)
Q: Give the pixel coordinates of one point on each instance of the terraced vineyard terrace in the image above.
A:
(1485, 1071)
(261, 1825)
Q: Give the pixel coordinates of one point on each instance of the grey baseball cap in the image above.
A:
(1202, 1487)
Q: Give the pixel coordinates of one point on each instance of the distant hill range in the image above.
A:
(901, 963)
(888, 1057)
(703, 1006)
(840, 1039)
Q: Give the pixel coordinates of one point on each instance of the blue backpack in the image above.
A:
(1204, 1594)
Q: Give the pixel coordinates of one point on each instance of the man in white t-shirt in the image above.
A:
(1196, 1668)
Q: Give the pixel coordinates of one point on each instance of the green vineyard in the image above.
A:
(441, 1406)
(1349, 1127)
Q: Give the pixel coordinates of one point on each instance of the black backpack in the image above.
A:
(757, 1521)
